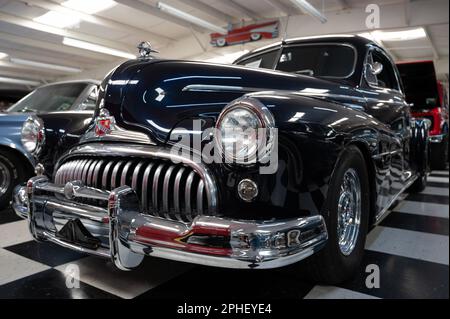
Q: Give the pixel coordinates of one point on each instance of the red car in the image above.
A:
(254, 32)
(429, 100)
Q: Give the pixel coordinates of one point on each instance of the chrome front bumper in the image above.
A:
(126, 235)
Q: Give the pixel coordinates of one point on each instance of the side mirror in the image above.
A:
(376, 68)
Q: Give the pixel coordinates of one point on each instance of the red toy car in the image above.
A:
(254, 32)
(430, 101)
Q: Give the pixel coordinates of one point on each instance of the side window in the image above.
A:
(265, 60)
(386, 78)
(89, 103)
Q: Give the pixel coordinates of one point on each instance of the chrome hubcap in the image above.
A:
(349, 212)
(5, 179)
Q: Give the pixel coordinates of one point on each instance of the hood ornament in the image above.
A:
(145, 49)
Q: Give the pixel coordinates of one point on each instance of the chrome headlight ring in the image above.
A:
(33, 134)
(238, 117)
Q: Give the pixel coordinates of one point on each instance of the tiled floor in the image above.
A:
(410, 247)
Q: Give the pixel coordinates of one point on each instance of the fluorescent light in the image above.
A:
(57, 19)
(190, 18)
(19, 81)
(3, 55)
(307, 8)
(227, 58)
(46, 65)
(89, 6)
(97, 48)
(404, 35)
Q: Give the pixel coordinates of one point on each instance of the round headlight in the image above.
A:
(32, 134)
(245, 131)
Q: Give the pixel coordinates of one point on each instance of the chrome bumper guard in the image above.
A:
(126, 235)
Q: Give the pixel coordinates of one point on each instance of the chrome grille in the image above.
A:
(171, 191)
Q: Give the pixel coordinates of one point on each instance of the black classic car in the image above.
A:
(291, 154)
(63, 103)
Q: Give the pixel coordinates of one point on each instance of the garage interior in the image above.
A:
(44, 41)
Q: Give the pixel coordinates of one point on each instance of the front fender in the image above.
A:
(9, 143)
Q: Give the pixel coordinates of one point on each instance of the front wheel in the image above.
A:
(346, 213)
(255, 36)
(10, 176)
(221, 42)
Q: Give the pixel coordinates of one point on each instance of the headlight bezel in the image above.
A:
(33, 123)
(265, 121)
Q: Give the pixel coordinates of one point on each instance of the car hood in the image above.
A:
(156, 96)
(13, 118)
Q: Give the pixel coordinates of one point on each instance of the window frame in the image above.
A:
(355, 57)
(392, 65)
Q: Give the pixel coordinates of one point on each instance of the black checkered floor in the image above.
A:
(410, 247)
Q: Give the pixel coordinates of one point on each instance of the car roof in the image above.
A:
(354, 40)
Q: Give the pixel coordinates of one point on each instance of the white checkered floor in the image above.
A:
(410, 246)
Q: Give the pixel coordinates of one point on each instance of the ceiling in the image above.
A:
(127, 22)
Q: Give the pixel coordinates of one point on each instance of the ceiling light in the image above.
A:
(89, 6)
(190, 18)
(19, 81)
(45, 65)
(3, 55)
(404, 35)
(307, 8)
(97, 48)
(57, 19)
(227, 58)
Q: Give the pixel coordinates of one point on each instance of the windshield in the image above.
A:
(328, 60)
(58, 97)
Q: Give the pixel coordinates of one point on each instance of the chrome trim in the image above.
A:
(85, 170)
(134, 178)
(187, 195)
(147, 151)
(145, 181)
(115, 134)
(176, 193)
(101, 252)
(219, 88)
(105, 174)
(380, 155)
(385, 209)
(165, 192)
(90, 172)
(133, 235)
(200, 198)
(123, 178)
(155, 186)
(114, 174)
(95, 176)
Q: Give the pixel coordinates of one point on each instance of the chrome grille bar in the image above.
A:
(172, 191)
(155, 188)
(144, 191)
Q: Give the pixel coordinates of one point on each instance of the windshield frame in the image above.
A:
(280, 48)
(73, 107)
(352, 70)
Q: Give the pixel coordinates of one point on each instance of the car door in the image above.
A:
(385, 101)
